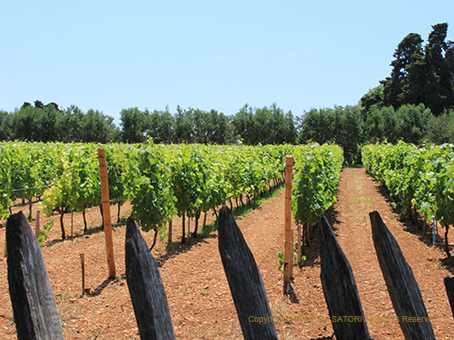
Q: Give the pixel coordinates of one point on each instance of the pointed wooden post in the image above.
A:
(339, 288)
(299, 244)
(146, 289)
(288, 243)
(449, 285)
(106, 212)
(245, 280)
(35, 312)
(402, 286)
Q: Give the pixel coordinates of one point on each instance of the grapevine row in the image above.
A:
(164, 180)
(419, 177)
(316, 180)
(160, 180)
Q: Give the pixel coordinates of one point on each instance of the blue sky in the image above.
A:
(111, 55)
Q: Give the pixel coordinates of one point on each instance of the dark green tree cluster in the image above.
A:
(48, 123)
(249, 126)
(352, 126)
(341, 125)
(265, 126)
(185, 126)
(420, 74)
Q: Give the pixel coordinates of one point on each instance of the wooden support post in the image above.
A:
(82, 264)
(245, 281)
(402, 286)
(35, 312)
(449, 285)
(37, 224)
(106, 212)
(299, 243)
(145, 286)
(339, 288)
(288, 240)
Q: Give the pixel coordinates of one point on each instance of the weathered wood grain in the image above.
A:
(146, 288)
(449, 285)
(245, 281)
(402, 286)
(34, 309)
(339, 287)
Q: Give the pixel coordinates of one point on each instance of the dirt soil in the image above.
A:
(197, 291)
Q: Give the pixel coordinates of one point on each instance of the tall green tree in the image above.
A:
(134, 125)
(262, 127)
(243, 125)
(439, 88)
(219, 130)
(184, 127)
(98, 128)
(69, 125)
(407, 53)
(449, 55)
(440, 129)
(4, 125)
(161, 126)
(419, 75)
(374, 97)
(411, 122)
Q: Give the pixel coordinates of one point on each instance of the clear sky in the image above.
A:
(111, 55)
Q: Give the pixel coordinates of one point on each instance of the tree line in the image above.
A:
(353, 126)
(49, 123)
(251, 126)
(349, 126)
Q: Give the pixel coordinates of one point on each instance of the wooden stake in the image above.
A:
(37, 224)
(244, 278)
(82, 263)
(32, 300)
(299, 243)
(145, 286)
(106, 212)
(288, 243)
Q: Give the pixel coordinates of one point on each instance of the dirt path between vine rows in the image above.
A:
(200, 303)
(359, 194)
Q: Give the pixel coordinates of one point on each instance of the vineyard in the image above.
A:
(164, 184)
(161, 181)
(419, 178)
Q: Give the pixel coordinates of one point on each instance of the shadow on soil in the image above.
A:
(414, 223)
(312, 249)
(90, 231)
(100, 288)
(209, 231)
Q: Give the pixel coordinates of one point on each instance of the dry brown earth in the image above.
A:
(197, 291)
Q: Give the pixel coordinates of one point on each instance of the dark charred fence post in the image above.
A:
(35, 313)
(145, 287)
(339, 287)
(402, 286)
(449, 285)
(245, 281)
